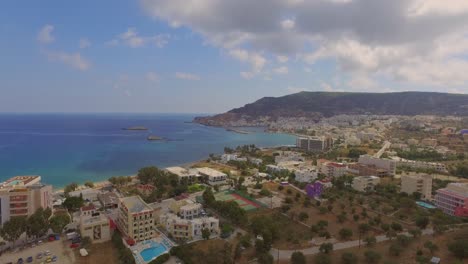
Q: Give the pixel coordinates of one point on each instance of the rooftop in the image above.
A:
(182, 172)
(210, 172)
(20, 181)
(135, 204)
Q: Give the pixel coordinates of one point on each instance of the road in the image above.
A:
(286, 254)
(382, 150)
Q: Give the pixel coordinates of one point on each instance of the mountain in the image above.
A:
(316, 105)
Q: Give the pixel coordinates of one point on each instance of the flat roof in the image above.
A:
(211, 172)
(20, 181)
(135, 204)
(182, 172)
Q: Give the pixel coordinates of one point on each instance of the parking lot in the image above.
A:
(56, 248)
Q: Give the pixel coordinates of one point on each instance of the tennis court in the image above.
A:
(244, 203)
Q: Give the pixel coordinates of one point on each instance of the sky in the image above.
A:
(209, 56)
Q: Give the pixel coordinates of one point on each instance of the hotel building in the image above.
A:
(453, 199)
(22, 196)
(214, 177)
(386, 164)
(136, 218)
(94, 225)
(365, 183)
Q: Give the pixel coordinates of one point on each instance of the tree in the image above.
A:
(422, 221)
(326, 248)
(370, 241)
(364, 228)
(206, 233)
(395, 249)
(349, 258)
(431, 246)
(265, 258)
(396, 226)
(322, 259)
(73, 203)
(208, 196)
(298, 258)
(416, 232)
(372, 257)
(70, 188)
(58, 222)
(38, 223)
(403, 240)
(459, 248)
(346, 233)
(13, 228)
(89, 184)
(303, 216)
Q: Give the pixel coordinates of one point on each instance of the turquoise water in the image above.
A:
(78, 147)
(425, 205)
(153, 252)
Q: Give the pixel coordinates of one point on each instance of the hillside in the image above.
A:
(325, 104)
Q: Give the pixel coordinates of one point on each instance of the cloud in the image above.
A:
(132, 39)
(152, 77)
(84, 43)
(75, 60)
(256, 61)
(187, 76)
(281, 70)
(417, 42)
(45, 34)
(282, 59)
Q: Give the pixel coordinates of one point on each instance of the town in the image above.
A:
(353, 189)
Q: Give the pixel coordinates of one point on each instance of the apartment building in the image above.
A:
(421, 183)
(453, 199)
(333, 169)
(416, 164)
(386, 164)
(22, 196)
(366, 170)
(314, 144)
(186, 209)
(94, 225)
(214, 177)
(136, 219)
(190, 174)
(189, 229)
(365, 183)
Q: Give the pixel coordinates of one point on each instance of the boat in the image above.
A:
(138, 128)
(154, 138)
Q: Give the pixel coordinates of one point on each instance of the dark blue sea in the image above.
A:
(64, 148)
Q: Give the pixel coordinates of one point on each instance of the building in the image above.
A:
(186, 209)
(314, 190)
(305, 175)
(421, 183)
(386, 164)
(145, 189)
(365, 183)
(108, 200)
(94, 225)
(22, 196)
(225, 158)
(88, 194)
(453, 199)
(314, 144)
(366, 170)
(136, 219)
(416, 164)
(190, 174)
(189, 229)
(333, 169)
(214, 177)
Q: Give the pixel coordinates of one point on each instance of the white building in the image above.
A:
(416, 164)
(214, 177)
(190, 174)
(365, 183)
(94, 225)
(189, 230)
(305, 175)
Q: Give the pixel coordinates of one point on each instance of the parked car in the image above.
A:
(74, 245)
(54, 258)
(29, 259)
(47, 253)
(39, 255)
(20, 261)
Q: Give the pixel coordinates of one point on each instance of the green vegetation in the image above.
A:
(228, 209)
(12, 229)
(459, 248)
(73, 203)
(59, 221)
(161, 259)
(70, 188)
(124, 254)
(426, 155)
(298, 258)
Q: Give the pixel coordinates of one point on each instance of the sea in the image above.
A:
(64, 148)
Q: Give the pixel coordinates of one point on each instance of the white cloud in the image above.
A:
(45, 34)
(418, 42)
(132, 39)
(75, 60)
(282, 59)
(84, 43)
(256, 61)
(281, 70)
(152, 77)
(187, 76)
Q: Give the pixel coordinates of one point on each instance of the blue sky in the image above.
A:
(209, 56)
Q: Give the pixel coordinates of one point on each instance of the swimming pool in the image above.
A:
(425, 205)
(153, 252)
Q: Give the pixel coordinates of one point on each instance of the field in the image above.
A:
(244, 203)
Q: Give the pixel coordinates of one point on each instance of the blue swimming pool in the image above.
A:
(153, 252)
(425, 205)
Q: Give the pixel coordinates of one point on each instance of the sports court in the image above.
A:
(244, 203)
